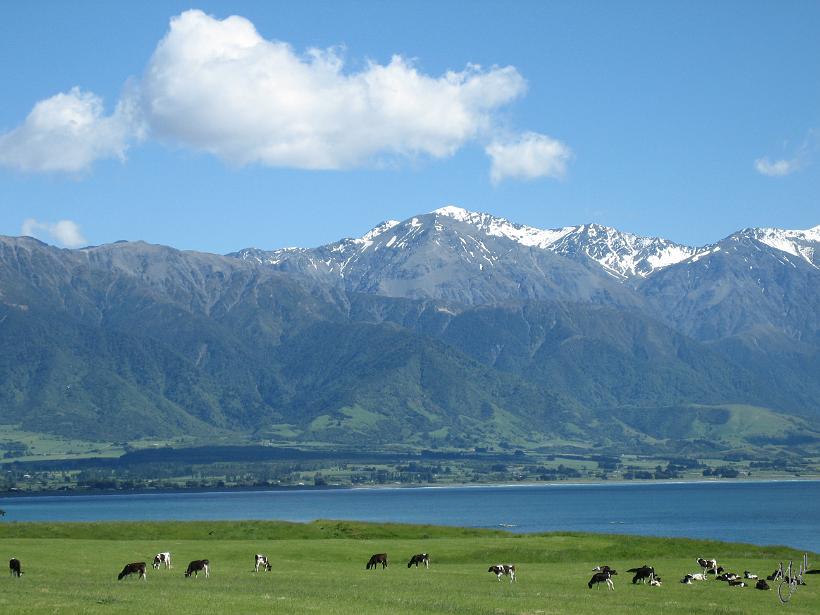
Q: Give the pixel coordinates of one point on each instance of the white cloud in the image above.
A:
(777, 168)
(529, 156)
(218, 86)
(67, 133)
(65, 232)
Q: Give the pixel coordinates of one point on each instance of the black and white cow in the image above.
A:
(419, 558)
(737, 583)
(198, 565)
(162, 559)
(696, 576)
(602, 577)
(749, 575)
(376, 559)
(261, 562)
(708, 564)
(14, 567)
(499, 570)
(137, 568)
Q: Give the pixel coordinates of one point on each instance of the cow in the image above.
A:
(716, 571)
(737, 583)
(749, 575)
(708, 564)
(376, 559)
(162, 559)
(604, 569)
(133, 568)
(195, 566)
(697, 576)
(761, 584)
(655, 581)
(727, 576)
(419, 558)
(261, 561)
(602, 577)
(14, 567)
(644, 573)
(499, 570)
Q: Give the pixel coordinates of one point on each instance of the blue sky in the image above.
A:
(685, 120)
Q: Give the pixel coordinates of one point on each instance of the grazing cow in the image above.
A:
(643, 574)
(376, 559)
(198, 564)
(162, 559)
(761, 584)
(708, 564)
(261, 561)
(419, 558)
(602, 577)
(135, 567)
(14, 567)
(499, 570)
(749, 575)
(737, 583)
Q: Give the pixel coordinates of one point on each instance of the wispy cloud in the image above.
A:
(528, 156)
(786, 166)
(218, 86)
(776, 168)
(64, 232)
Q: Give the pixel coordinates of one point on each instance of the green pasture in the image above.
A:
(320, 568)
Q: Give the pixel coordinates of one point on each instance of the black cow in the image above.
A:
(376, 559)
(133, 568)
(14, 567)
(198, 565)
(643, 574)
(419, 558)
(761, 584)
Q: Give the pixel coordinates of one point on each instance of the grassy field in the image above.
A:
(320, 568)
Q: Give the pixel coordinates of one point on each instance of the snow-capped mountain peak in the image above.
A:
(621, 254)
(802, 243)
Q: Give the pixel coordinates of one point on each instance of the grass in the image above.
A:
(319, 568)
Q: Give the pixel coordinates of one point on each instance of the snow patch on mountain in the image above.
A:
(804, 244)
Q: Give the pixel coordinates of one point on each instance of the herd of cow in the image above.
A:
(603, 574)
(646, 574)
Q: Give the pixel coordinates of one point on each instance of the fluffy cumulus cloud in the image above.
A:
(528, 156)
(67, 133)
(217, 86)
(64, 232)
(776, 168)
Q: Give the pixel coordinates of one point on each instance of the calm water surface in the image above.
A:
(756, 512)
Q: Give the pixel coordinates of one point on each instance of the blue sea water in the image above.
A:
(761, 513)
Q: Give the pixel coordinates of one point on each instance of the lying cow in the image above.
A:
(419, 558)
(602, 577)
(162, 559)
(261, 562)
(749, 575)
(655, 582)
(643, 574)
(14, 567)
(761, 584)
(697, 576)
(376, 559)
(133, 568)
(198, 565)
(499, 570)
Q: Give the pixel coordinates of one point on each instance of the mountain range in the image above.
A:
(451, 328)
